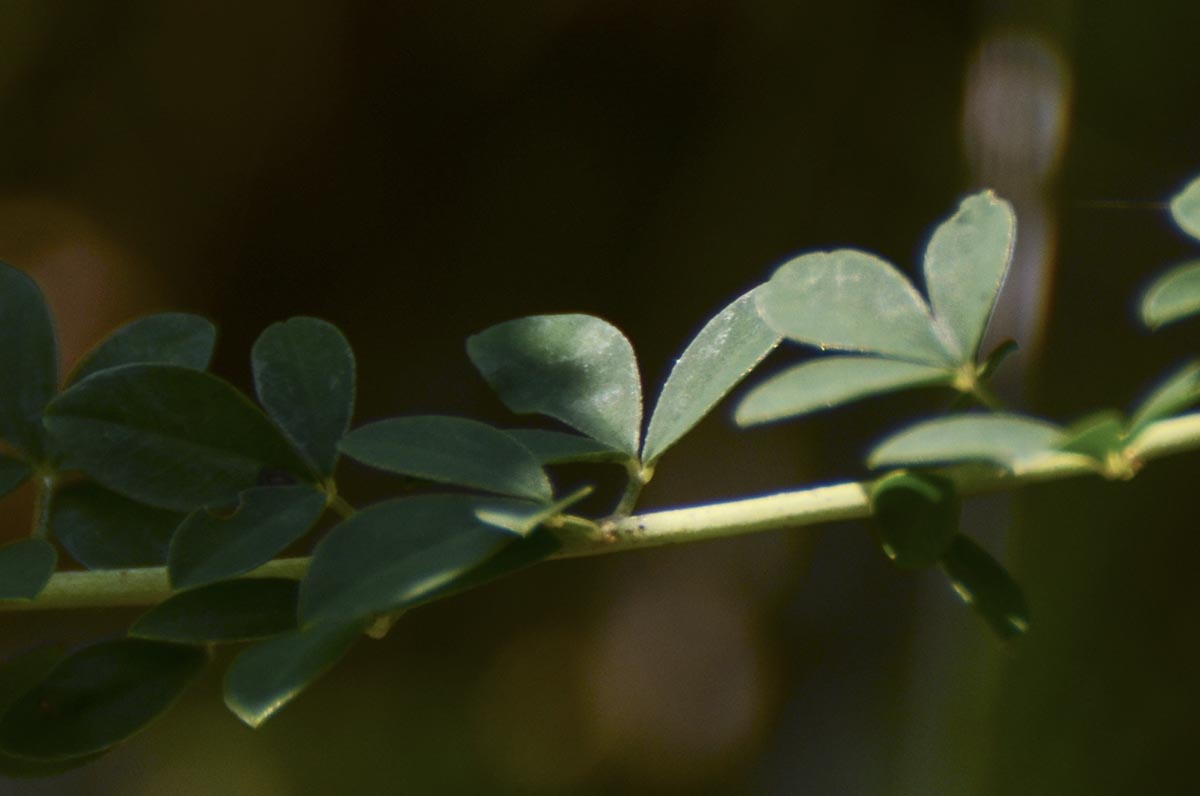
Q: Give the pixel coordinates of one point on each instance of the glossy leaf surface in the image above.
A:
(717, 359)
(235, 610)
(916, 517)
(210, 547)
(389, 555)
(99, 697)
(103, 530)
(832, 381)
(1005, 440)
(850, 300)
(169, 338)
(987, 587)
(1185, 208)
(168, 436)
(1173, 296)
(272, 673)
(557, 447)
(451, 450)
(28, 361)
(1177, 392)
(25, 568)
(304, 377)
(965, 264)
(575, 368)
(13, 473)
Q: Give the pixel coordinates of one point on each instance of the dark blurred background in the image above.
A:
(415, 172)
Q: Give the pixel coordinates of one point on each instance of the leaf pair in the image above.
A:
(853, 301)
(582, 371)
(1176, 295)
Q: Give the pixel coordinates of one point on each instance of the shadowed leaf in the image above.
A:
(169, 338)
(13, 473)
(28, 361)
(916, 517)
(103, 530)
(235, 610)
(25, 568)
(557, 447)
(985, 586)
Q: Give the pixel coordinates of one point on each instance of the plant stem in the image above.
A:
(583, 537)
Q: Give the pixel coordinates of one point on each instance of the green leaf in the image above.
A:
(304, 376)
(521, 518)
(1010, 441)
(451, 450)
(1173, 296)
(848, 299)
(25, 568)
(721, 355)
(1096, 435)
(234, 610)
(1185, 208)
(965, 264)
(557, 447)
(28, 360)
(575, 368)
(209, 547)
(272, 673)
(390, 555)
(13, 473)
(1000, 353)
(1175, 393)
(103, 530)
(168, 436)
(916, 517)
(99, 697)
(832, 381)
(985, 586)
(518, 555)
(169, 338)
(17, 676)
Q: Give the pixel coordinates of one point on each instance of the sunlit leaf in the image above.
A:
(1185, 208)
(984, 584)
(576, 368)
(25, 568)
(1173, 296)
(851, 300)
(390, 555)
(521, 518)
(13, 473)
(965, 264)
(210, 547)
(169, 338)
(304, 377)
(557, 447)
(103, 530)
(1097, 435)
(272, 673)
(99, 697)
(832, 381)
(169, 436)
(1005, 440)
(916, 516)
(1174, 394)
(28, 361)
(450, 450)
(720, 356)
(233, 610)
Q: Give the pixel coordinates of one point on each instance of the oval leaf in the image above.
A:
(390, 555)
(28, 360)
(1185, 208)
(1006, 440)
(1173, 296)
(965, 264)
(1096, 436)
(848, 299)
(451, 450)
(557, 447)
(916, 516)
(235, 610)
(985, 586)
(832, 381)
(210, 547)
(720, 356)
(13, 473)
(25, 568)
(269, 675)
(575, 368)
(103, 530)
(169, 338)
(304, 377)
(1175, 393)
(99, 697)
(168, 436)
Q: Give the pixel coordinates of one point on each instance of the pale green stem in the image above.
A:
(582, 537)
